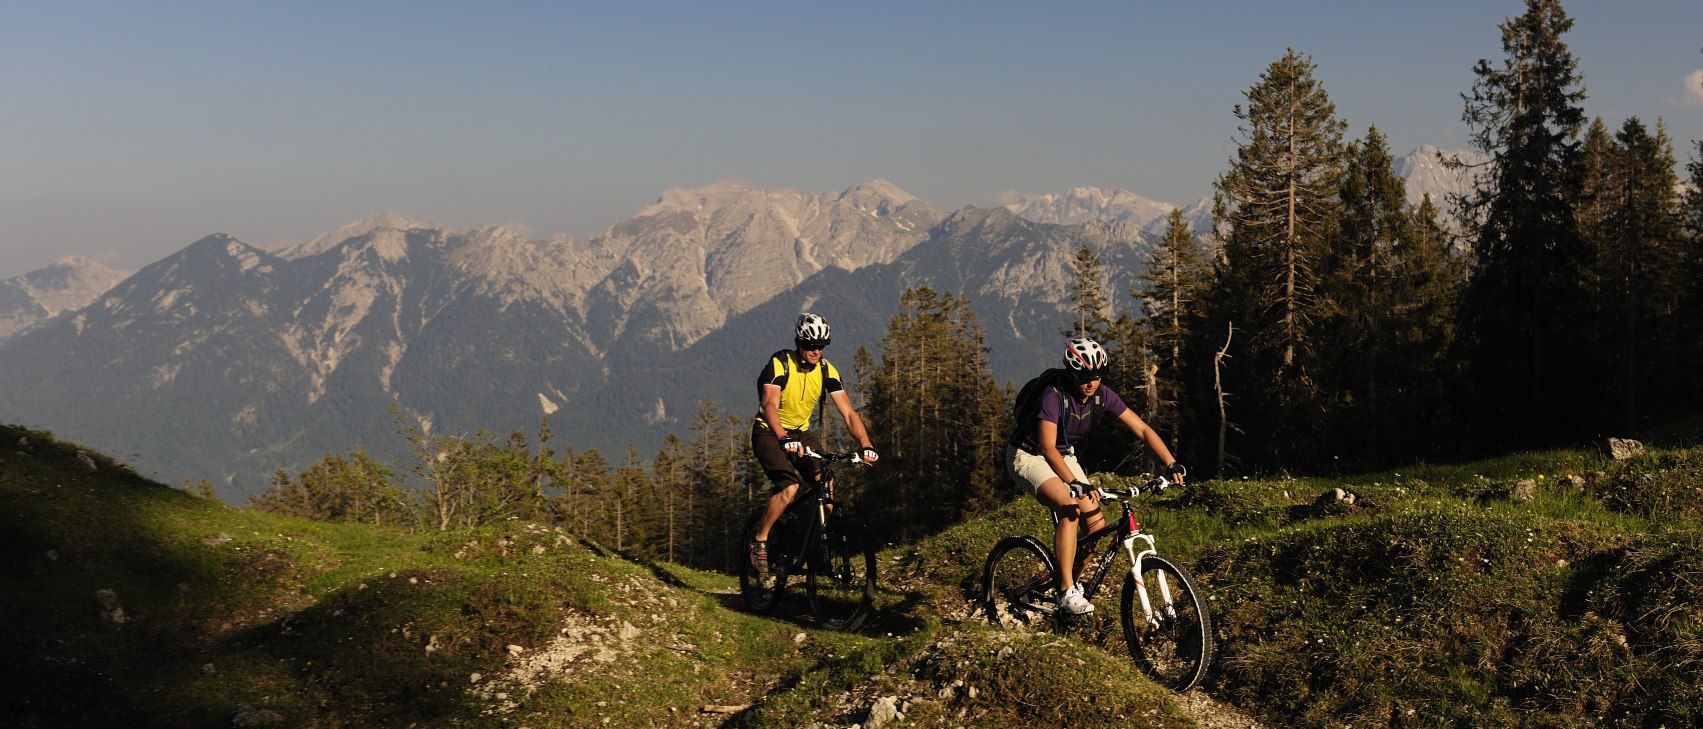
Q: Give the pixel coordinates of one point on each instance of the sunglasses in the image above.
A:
(812, 344)
(1083, 378)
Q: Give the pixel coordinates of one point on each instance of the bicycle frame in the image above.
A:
(822, 494)
(1128, 533)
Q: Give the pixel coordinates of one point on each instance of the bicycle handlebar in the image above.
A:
(1159, 483)
(853, 456)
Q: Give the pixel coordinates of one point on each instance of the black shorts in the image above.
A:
(782, 470)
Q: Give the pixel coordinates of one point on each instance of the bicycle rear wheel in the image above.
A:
(1017, 583)
(842, 590)
(760, 592)
(1175, 646)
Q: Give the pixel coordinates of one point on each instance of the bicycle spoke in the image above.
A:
(842, 584)
(1174, 644)
(1019, 586)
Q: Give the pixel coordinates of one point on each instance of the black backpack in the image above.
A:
(1028, 400)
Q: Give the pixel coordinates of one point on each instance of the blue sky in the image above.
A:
(128, 130)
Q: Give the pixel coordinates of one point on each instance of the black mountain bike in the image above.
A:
(1166, 625)
(813, 537)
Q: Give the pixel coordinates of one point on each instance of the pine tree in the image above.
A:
(584, 480)
(634, 496)
(1426, 287)
(933, 408)
(1690, 314)
(1278, 203)
(675, 500)
(1524, 298)
(721, 496)
(1088, 297)
(1636, 244)
(1362, 273)
(1178, 275)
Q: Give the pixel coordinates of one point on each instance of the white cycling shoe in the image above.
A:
(1074, 603)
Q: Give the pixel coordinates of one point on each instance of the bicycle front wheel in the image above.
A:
(841, 582)
(1173, 644)
(1017, 583)
(761, 592)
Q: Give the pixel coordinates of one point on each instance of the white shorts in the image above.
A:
(1029, 471)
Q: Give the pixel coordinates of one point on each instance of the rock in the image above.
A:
(208, 669)
(475, 677)
(628, 631)
(1624, 448)
(886, 709)
(111, 609)
(250, 716)
(1335, 497)
(515, 650)
(800, 638)
(215, 541)
(1577, 482)
(87, 462)
(1523, 491)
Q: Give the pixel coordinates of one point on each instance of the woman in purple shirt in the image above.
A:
(1042, 454)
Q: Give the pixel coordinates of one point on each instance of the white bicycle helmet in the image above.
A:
(1084, 355)
(811, 328)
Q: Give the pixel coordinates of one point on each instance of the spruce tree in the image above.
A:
(1362, 272)
(1419, 407)
(721, 499)
(1525, 297)
(932, 408)
(1278, 204)
(1089, 304)
(1690, 313)
(1178, 275)
(675, 500)
(1638, 251)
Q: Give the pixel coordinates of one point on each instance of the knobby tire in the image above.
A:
(842, 592)
(1017, 581)
(761, 593)
(1178, 652)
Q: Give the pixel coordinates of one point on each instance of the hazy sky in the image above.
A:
(131, 129)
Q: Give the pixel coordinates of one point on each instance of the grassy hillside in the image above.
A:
(1440, 596)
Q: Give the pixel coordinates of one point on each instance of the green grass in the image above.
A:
(1433, 599)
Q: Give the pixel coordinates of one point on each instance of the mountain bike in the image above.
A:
(815, 538)
(1166, 626)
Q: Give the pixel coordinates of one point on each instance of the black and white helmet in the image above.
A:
(1084, 355)
(811, 328)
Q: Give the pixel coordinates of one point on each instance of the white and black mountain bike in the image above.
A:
(1166, 625)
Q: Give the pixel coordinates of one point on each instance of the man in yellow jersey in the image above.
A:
(788, 389)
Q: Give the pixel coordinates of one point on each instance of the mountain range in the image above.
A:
(67, 284)
(227, 361)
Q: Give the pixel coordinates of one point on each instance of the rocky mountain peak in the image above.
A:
(1084, 204)
(881, 189)
(68, 284)
(382, 220)
(1428, 170)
